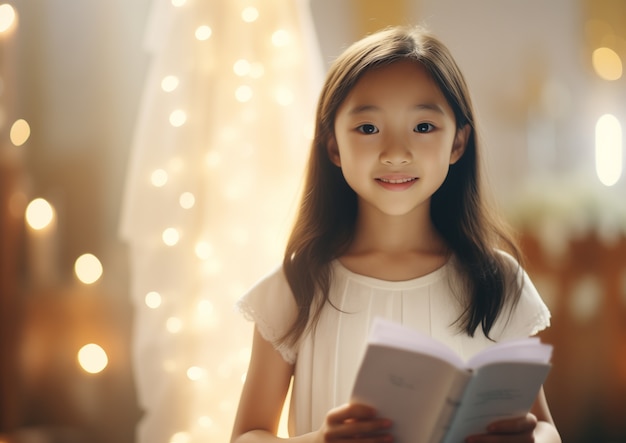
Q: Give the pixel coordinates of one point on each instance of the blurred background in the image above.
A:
(150, 159)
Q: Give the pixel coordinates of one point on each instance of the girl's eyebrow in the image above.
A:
(419, 107)
(430, 107)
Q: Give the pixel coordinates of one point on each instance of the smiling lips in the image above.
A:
(396, 183)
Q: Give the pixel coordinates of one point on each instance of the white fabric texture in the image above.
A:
(326, 361)
(220, 142)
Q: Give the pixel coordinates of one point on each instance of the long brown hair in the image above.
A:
(325, 222)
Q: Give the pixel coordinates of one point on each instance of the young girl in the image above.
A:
(393, 223)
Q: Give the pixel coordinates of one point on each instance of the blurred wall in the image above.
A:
(80, 69)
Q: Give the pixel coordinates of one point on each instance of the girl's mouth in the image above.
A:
(396, 184)
(397, 181)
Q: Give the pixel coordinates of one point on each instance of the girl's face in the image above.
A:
(395, 138)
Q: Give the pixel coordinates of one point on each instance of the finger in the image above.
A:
(365, 431)
(353, 411)
(514, 426)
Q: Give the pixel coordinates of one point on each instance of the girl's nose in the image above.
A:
(395, 152)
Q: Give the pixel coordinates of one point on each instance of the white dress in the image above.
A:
(327, 359)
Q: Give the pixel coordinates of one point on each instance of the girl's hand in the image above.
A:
(355, 423)
(515, 430)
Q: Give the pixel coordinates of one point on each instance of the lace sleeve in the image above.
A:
(529, 316)
(526, 318)
(271, 306)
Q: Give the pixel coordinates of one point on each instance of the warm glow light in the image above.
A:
(250, 14)
(203, 32)
(153, 299)
(39, 214)
(187, 200)
(609, 150)
(169, 83)
(213, 159)
(195, 373)
(88, 268)
(158, 178)
(243, 93)
(607, 63)
(203, 250)
(257, 68)
(7, 17)
(242, 67)
(92, 358)
(174, 325)
(170, 236)
(280, 38)
(178, 118)
(284, 96)
(206, 314)
(205, 308)
(20, 132)
(205, 421)
(180, 437)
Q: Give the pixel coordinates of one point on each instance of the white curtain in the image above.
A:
(214, 174)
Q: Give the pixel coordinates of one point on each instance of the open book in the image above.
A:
(433, 396)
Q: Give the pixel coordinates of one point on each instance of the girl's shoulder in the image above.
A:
(271, 306)
(528, 314)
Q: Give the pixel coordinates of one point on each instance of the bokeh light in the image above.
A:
(169, 83)
(88, 268)
(170, 236)
(153, 299)
(174, 325)
(92, 358)
(609, 150)
(159, 178)
(243, 93)
(181, 437)
(280, 38)
(7, 17)
(20, 132)
(242, 67)
(250, 14)
(178, 118)
(187, 200)
(203, 32)
(39, 214)
(607, 64)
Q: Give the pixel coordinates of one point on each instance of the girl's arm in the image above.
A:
(263, 397)
(546, 430)
(537, 426)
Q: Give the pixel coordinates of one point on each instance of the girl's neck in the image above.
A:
(395, 247)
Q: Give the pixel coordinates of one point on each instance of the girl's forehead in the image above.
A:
(400, 78)
(405, 71)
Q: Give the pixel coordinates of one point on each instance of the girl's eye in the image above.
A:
(367, 129)
(424, 127)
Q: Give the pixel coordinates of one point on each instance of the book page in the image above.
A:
(409, 388)
(529, 350)
(496, 392)
(385, 332)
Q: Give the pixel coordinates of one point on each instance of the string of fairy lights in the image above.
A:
(209, 199)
